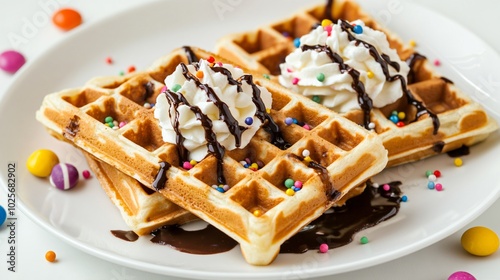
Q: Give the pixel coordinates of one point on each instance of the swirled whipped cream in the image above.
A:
(314, 73)
(202, 101)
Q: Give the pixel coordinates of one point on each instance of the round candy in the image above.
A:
(461, 275)
(41, 162)
(480, 241)
(67, 19)
(64, 176)
(289, 183)
(86, 174)
(50, 256)
(323, 248)
(11, 61)
(358, 29)
(249, 121)
(3, 215)
(394, 118)
(363, 240)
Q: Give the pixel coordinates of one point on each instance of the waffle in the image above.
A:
(142, 209)
(461, 120)
(343, 156)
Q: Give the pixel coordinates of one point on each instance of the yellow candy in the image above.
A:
(257, 213)
(480, 241)
(458, 162)
(41, 162)
(370, 74)
(413, 43)
(326, 22)
(290, 192)
(401, 115)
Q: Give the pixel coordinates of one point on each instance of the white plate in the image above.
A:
(84, 216)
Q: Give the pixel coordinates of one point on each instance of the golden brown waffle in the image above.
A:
(343, 156)
(462, 121)
(143, 209)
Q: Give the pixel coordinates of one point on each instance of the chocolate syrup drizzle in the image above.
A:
(329, 10)
(323, 173)
(364, 100)
(72, 128)
(161, 177)
(190, 55)
(411, 61)
(214, 147)
(331, 192)
(149, 88)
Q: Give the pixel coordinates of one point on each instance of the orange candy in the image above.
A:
(50, 256)
(67, 19)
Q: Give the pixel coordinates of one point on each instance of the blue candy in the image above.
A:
(296, 42)
(358, 29)
(249, 121)
(394, 118)
(431, 185)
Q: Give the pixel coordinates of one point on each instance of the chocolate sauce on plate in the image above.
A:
(126, 235)
(208, 240)
(336, 227)
(462, 151)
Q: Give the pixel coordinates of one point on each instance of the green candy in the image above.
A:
(364, 240)
(428, 173)
(266, 76)
(108, 119)
(316, 99)
(176, 87)
(320, 77)
(289, 183)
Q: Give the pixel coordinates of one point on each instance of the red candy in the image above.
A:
(131, 69)
(86, 174)
(67, 19)
(437, 173)
(400, 124)
(211, 59)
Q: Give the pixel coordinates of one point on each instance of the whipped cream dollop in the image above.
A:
(311, 71)
(202, 101)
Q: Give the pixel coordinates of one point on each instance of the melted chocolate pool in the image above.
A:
(462, 151)
(125, 235)
(336, 227)
(208, 240)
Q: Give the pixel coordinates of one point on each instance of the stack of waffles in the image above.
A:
(460, 120)
(343, 155)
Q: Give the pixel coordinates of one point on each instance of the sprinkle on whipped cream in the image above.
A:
(209, 107)
(346, 65)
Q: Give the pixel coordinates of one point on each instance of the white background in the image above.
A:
(435, 262)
